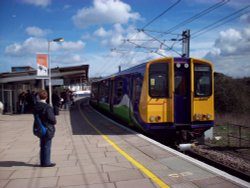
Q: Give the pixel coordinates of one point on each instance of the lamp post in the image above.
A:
(50, 84)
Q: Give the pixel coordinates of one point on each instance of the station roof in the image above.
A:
(80, 71)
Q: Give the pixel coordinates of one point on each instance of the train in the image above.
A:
(170, 97)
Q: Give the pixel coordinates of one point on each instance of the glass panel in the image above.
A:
(158, 80)
(104, 92)
(180, 84)
(202, 80)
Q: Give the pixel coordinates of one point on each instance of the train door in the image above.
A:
(135, 96)
(131, 96)
(134, 100)
(182, 101)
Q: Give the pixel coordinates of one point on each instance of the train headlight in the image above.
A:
(154, 118)
(197, 116)
(178, 65)
(209, 116)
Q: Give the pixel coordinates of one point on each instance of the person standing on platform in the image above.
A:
(21, 101)
(56, 100)
(47, 116)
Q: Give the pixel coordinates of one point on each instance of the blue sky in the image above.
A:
(104, 33)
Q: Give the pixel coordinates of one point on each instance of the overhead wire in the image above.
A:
(147, 48)
(189, 20)
(221, 22)
(164, 12)
(198, 15)
(185, 22)
(162, 42)
(157, 17)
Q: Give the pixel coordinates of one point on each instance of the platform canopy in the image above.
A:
(68, 74)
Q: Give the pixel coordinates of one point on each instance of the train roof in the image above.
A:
(141, 67)
(131, 70)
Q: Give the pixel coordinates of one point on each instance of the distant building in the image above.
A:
(22, 69)
(25, 78)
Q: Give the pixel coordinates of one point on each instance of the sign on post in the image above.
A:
(42, 64)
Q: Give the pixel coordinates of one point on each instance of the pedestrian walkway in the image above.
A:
(86, 152)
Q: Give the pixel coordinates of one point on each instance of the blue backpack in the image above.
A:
(39, 129)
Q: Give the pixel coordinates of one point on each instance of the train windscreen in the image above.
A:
(202, 80)
(158, 80)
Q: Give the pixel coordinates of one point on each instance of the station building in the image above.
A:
(25, 78)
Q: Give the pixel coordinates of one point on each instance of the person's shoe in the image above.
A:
(49, 165)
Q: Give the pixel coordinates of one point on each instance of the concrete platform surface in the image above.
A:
(92, 152)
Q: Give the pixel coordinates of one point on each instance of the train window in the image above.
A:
(202, 80)
(158, 80)
(104, 91)
(94, 90)
(136, 90)
(119, 90)
(181, 84)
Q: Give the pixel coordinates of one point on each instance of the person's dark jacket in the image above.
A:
(46, 114)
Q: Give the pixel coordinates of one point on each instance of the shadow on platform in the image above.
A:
(81, 127)
(16, 163)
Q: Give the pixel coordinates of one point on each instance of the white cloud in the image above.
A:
(233, 42)
(78, 45)
(34, 45)
(245, 18)
(41, 3)
(36, 31)
(116, 36)
(101, 32)
(65, 7)
(30, 45)
(230, 52)
(104, 12)
(68, 59)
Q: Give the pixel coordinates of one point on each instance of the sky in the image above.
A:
(106, 34)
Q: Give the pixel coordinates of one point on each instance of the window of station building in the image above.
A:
(158, 80)
(202, 80)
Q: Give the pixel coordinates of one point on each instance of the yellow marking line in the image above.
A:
(150, 174)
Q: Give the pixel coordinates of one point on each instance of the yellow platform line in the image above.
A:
(150, 174)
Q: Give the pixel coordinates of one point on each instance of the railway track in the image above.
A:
(223, 158)
(229, 162)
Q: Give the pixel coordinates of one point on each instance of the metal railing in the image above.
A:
(238, 135)
(231, 135)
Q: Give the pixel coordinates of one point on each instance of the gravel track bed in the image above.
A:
(237, 159)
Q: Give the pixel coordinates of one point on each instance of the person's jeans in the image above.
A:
(45, 151)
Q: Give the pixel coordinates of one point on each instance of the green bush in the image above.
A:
(231, 95)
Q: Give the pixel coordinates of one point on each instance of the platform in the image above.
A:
(92, 152)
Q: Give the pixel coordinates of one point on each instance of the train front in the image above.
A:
(180, 99)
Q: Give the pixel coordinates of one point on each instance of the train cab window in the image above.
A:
(158, 80)
(202, 80)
